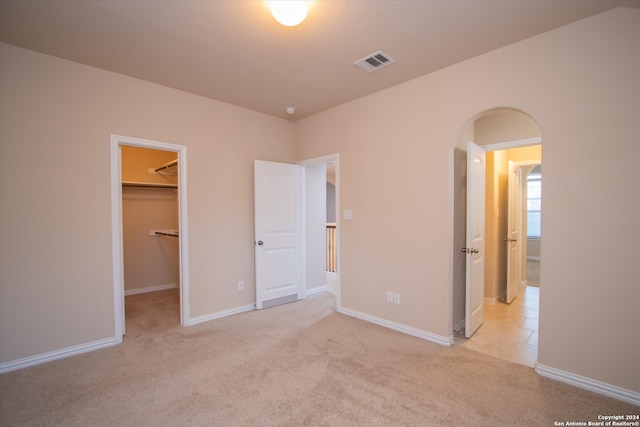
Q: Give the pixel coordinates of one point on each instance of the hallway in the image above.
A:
(510, 331)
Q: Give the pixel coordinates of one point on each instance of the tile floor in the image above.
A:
(510, 331)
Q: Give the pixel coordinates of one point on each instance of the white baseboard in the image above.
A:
(419, 333)
(492, 300)
(316, 290)
(96, 345)
(220, 314)
(150, 289)
(599, 387)
(57, 354)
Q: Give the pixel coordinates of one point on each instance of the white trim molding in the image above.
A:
(220, 314)
(57, 354)
(147, 289)
(585, 383)
(419, 333)
(490, 300)
(316, 290)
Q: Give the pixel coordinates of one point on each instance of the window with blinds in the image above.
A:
(534, 207)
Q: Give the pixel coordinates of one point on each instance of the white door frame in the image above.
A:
(523, 233)
(117, 141)
(335, 159)
(513, 235)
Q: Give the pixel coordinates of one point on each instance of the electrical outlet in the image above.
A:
(396, 298)
(389, 296)
(241, 285)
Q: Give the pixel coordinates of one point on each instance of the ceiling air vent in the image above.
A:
(375, 61)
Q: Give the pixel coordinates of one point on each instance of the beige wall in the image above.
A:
(580, 85)
(495, 225)
(56, 118)
(137, 161)
(524, 154)
(459, 269)
(316, 226)
(503, 125)
(149, 262)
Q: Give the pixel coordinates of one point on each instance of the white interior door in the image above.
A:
(474, 302)
(278, 233)
(513, 230)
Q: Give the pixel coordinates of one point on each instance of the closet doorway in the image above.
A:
(149, 234)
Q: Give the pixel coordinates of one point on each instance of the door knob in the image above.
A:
(260, 243)
(470, 250)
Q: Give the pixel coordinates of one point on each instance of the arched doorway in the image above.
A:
(509, 331)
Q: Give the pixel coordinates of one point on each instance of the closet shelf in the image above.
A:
(148, 184)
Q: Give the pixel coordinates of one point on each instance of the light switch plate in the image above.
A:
(347, 214)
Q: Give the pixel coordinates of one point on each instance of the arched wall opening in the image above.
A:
(507, 135)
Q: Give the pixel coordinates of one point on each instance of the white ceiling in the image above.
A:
(234, 51)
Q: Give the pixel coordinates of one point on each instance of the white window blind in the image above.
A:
(534, 207)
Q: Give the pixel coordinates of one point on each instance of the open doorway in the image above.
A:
(508, 331)
(292, 264)
(150, 234)
(332, 229)
(148, 186)
(322, 222)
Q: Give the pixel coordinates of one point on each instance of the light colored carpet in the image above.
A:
(294, 365)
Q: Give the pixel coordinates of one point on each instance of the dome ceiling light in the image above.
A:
(289, 12)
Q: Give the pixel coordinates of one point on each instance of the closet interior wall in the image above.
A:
(151, 261)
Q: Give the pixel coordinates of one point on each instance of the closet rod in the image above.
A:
(167, 234)
(168, 165)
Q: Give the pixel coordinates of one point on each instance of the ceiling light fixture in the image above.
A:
(289, 12)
